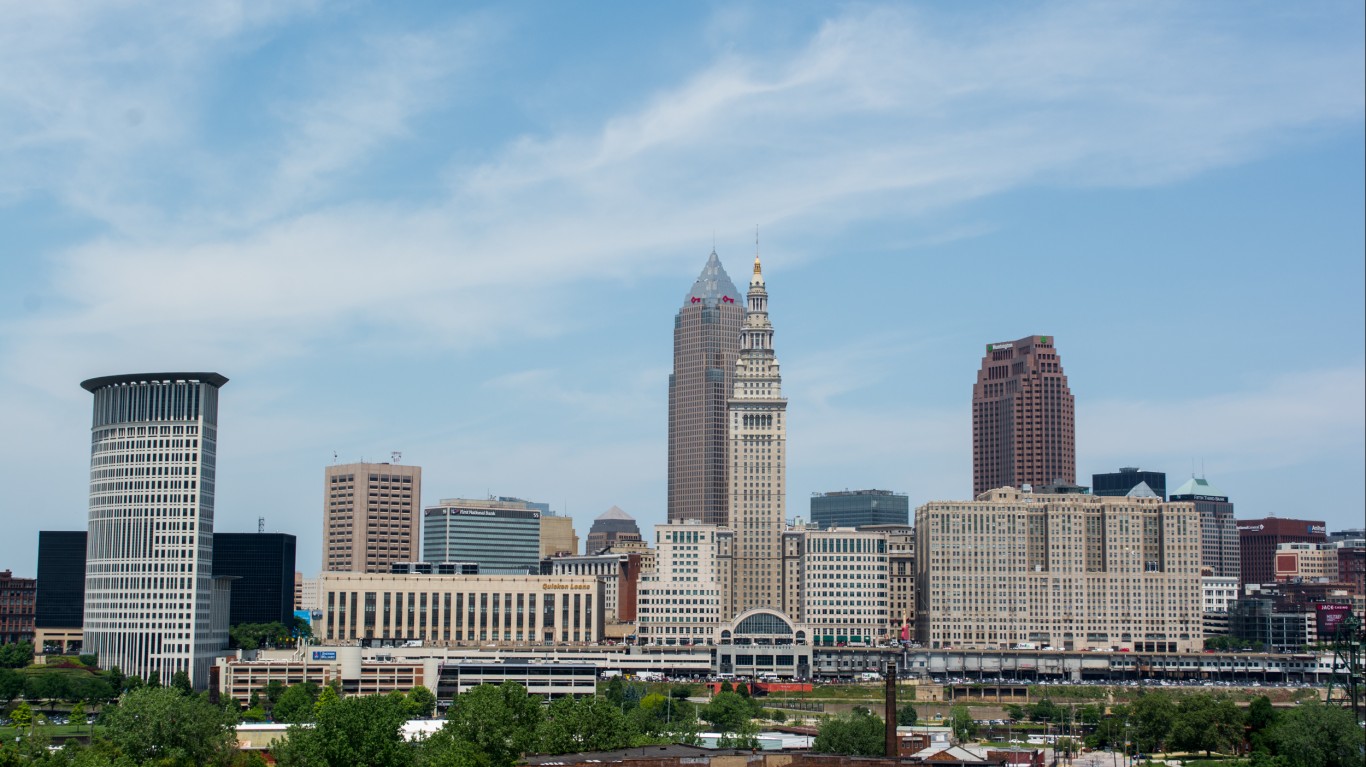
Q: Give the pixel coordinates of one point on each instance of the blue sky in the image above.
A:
(462, 233)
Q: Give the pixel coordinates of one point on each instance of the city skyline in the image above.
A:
(406, 240)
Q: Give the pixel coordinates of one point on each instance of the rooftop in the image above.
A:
(712, 285)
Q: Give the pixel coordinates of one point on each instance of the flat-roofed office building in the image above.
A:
(149, 583)
(370, 516)
(1074, 572)
(859, 508)
(449, 610)
(502, 537)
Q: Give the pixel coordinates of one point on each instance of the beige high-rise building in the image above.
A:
(682, 601)
(757, 459)
(371, 516)
(557, 536)
(835, 582)
(1074, 572)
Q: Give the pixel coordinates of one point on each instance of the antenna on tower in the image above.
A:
(260, 524)
(756, 240)
(395, 456)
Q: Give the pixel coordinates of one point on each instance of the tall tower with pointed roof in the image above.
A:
(758, 459)
(706, 344)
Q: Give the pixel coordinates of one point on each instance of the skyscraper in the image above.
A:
(149, 585)
(499, 536)
(1220, 549)
(371, 516)
(1023, 430)
(758, 456)
(706, 343)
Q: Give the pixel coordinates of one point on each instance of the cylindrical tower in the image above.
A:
(149, 551)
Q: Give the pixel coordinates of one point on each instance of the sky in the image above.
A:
(462, 231)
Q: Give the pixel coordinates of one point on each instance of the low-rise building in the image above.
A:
(460, 609)
(18, 600)
(1300, 561)
(620, 576)
(1217, 593)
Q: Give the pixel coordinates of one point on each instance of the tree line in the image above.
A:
(488, 726)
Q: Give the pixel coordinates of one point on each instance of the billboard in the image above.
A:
(1329, 617)
(324, 655)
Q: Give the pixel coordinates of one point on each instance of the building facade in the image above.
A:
(18, 605)
(900, 577)
(1069, 572)
(262, 565)
(1258, 539)
(620, 576)
(61, 591)
(682, 601)
(149, 584)
(1217, 593)
(557, 536)
(500, 536)
(370, 516)
(1307, 562)
(758, 460)
(1023, 417)
(444, 610)
(706, 345)
(1220, 548)
(1118, 483)
(844, 585)
(610, 528)
(859, 508)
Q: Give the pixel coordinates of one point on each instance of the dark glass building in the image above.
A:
(263, 565)
(856, 508)
(61, 579)
(1117, 484)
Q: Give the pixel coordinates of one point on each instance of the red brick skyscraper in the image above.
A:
(1023, 425)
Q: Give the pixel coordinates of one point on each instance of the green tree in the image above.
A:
(115, 678)
(359, 730)
(254, 714)
(420, 702)
(326, 697)
(1315, 735)
(1045, 711)
(1090, 713)
(725, 687)
(89, 660)
(682, 691)
(11, 685)
(727, 712)
(94, 690)
(964, 728)
(499, 723)
(273, 690)
(1206, 723)
(1109, 732)
(50, 686)
(296, 704)
(22, 716)
(906, 716)
(1260, 716)
(1151, 716)
(16, 655)
(858, 734)
(180, 681)
(583, 724)
(161, 726)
